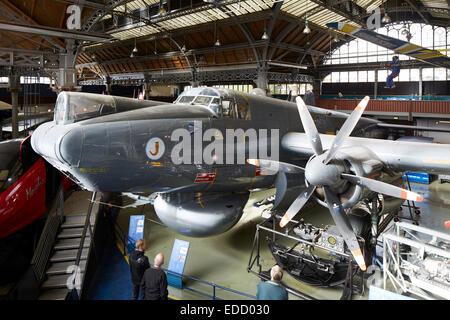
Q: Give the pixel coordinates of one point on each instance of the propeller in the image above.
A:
(383, 187)
(320, 171)
(298, 203)
(347, 127)
(309, 127)
(343, 223)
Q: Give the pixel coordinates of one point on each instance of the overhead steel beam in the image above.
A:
(244, 74)
(252, 17)
(275, 10)
(365, 66)
(348, 14)
(53, 32)
(234, 46)
(416, 8)
(283, 34)
(244, 30)
(145, 19)
(417, 18)
(19, 16)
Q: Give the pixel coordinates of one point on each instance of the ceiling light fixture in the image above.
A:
(265, 36)
(217, 43)
(386, 18)
(307, 29)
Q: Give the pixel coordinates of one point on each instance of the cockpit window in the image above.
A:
(186, 99)
(203, 100)
(227, 109)
(224, 103)
(75, 106)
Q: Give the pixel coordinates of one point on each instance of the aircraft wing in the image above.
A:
(398, 46)
(417, 128)
(395, 155)
(5, 106)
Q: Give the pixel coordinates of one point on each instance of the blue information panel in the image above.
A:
(135, 230)
(417, 177)
(177, 262)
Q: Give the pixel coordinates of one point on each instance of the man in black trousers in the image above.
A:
(138, 264)
(154, 281)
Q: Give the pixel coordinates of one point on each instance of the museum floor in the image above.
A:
(223, 259)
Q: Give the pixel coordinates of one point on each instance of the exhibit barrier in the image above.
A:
(408, 106)
(125, 241)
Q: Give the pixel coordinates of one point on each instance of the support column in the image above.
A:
(67, 77)
(262, 80)
(108, 85)
(420, 84)
(14, 88)
(195, 82)
(317, 88)
(146, 85)
(375, 86)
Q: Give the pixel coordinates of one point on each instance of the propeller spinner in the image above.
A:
(322, 171)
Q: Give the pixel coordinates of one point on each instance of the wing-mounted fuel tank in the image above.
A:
(200, 214)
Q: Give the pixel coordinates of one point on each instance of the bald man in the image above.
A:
(154, 281)
(272, 290)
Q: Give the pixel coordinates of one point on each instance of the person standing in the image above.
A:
(138, 264)
(272, 290)
(154, 281)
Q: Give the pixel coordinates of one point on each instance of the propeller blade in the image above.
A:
(297, 205)
(275, 166)
(347, 128)
(383, 187)
(344, 226)
(309, 127)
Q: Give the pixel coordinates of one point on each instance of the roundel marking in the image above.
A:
(155, 148)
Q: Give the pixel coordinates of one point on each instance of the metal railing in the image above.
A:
(48, 236)
(125, 241)
(87, 226)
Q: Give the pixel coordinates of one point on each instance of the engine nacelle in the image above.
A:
(200, 214)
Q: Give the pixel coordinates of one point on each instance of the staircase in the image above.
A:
(61, 265)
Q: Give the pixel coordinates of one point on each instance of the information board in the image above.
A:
(177, 262)
(135, 230)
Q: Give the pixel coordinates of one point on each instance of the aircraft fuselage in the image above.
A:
(178, 146)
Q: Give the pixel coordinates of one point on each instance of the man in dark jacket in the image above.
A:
(138, 264)
(154, 281)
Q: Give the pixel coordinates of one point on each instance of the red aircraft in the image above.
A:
(27, 185)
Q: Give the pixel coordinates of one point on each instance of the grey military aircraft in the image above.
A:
(206, 151)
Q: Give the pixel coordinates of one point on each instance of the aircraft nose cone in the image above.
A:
(58, 144)
(70, 146)
(43, 140)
